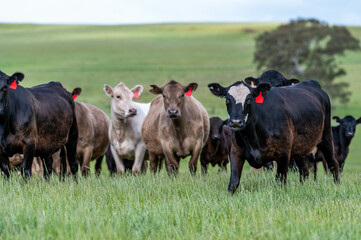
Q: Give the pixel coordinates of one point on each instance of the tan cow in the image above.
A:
(176, 126)
(93, 140)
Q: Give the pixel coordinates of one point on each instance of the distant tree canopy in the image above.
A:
(306, 49)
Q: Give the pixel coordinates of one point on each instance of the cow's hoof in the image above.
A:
(136, 171)
(232, 188)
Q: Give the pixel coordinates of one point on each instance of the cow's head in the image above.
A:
(216, 128)
(122, 104)
(273, 77)
(239, 98)
(5, 82)
(173, 96)
(347, 125)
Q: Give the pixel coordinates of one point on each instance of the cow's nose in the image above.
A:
(172, 111)
(236, 123)
(132, 111)
(215, 137)
(349, 134)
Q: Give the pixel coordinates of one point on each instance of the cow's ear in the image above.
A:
(137, 90)
(217, 89)
(108, 90)
(263, 87)
(155, 89)
(294, 81)
(337, 119)
(16, 76)
(358, 120)
(191, 86)
(76, 92)
(252, 81)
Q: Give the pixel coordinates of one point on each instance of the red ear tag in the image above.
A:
(13, 85)
(136, 94)
(259, 98)
(189, 92)
(74, 96)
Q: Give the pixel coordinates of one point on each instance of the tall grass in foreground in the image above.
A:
(182, 207)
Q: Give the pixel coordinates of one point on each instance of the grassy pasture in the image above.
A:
(162, 207)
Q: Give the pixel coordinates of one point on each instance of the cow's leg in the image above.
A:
(237, 163)
(110, 161)
(153, 162)
(118, 161)
(98, 165)
(326, 146)
(223, 165)
(63, 163)
(282, 167)
(71, 147)
(48, 166)
(302, 168)
(139, 158)
(204, 167)
(160, 162)
(4, 165)
(194, 158)
(28, 160)
(204, 163)
(144, 167)
(87, 155)
(171, 161)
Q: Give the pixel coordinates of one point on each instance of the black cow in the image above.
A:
(342, 136)
(273, 77)
(217, 148)
(277, 124)
(36, 121)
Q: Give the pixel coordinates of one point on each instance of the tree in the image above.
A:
(306, 49)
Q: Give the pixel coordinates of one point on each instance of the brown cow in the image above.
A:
(93, 124)
(176, 126)
(218, 146)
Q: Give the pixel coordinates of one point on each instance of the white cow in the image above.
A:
(127, 118)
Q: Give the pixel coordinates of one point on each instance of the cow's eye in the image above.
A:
(182, 95)
(248, 101)
(118, 97)
(4, 89)
(163, 95)
(227, 101)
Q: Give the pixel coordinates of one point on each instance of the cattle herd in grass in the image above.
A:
(271, 119)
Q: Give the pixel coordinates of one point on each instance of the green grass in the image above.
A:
(162, 207)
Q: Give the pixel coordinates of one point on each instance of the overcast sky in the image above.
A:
(341, 12)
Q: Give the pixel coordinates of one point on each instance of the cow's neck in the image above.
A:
(251, 142)
(119, 124)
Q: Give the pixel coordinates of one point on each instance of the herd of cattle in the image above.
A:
(271, 119)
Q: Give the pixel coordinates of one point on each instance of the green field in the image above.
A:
(161, 207)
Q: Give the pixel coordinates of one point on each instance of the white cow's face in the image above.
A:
(122, 104)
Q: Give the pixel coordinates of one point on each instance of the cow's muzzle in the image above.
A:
(173, 113)
(236, 123)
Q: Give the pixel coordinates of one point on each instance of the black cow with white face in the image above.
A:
(273, 77)
(276, 124)
(342, 136)
(36, 121)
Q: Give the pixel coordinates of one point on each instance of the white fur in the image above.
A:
(239, 93)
